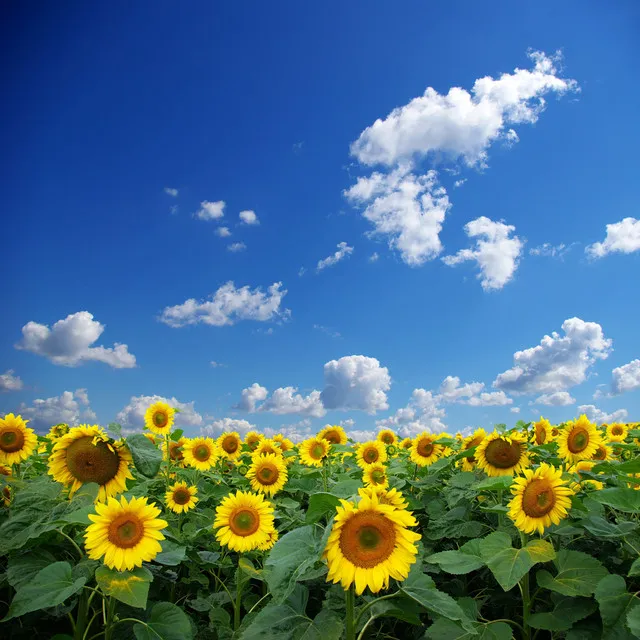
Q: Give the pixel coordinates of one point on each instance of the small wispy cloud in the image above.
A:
(374, 257)
(344, 250)
(217, 365)
(459, 183)
(327, 330)
(211, 210)
(223, 232)
(249, 217)
(302, 271)
(171, 192)
(236, 247)
(173, 209)
(549, 250)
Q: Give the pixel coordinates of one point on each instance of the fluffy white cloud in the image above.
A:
(492, 399)
(286, 400)
(463, 124)
(171, 192)
(622, 237)
(227, 424)
(223, 232)
(423, 413)
(71, 407)
(406, 208)
(249, 217)
(374, 257)
(496, 252)
(229, 305)
(459, 183)
(360, 435)
(451, 390)
(356, 382)
(251, 396)
(558, 362)
(10, 382)
(597, 415)
(515, 409)
(344, 250)
(69, 341)
(348, 423)
(557, 399)
(211, 210)
(236, 247)
(296, 432)
(132, 415)
(626, 377)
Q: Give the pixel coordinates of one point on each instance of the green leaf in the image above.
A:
(633, 621)
(166, 622)
(635, 568)
(130, 587)
(494, 484)
(602, 528)
(177, 434)
(402, 608)
(247, 567)
(622, 499)
(615, 604)
(566, 612)
(146, 456)
(578, 574)
(443, 629)
(172, 553)
(346, 488)
(51, 586)
(630, 466)
(456, 562)
(22, 569)
(321, 504)
(116, 429)
(509, 565)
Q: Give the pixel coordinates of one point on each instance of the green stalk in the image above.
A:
(500, 515)
(238, 604)
(166, 444)
(350, 600)
(81, 619)
(324, 475)
(526, 599)
(108, 632)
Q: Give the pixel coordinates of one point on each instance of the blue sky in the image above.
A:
(473, 221)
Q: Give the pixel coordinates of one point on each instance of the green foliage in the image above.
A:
(578, 574)
(167, 622)
(130, 587)
(146, 456)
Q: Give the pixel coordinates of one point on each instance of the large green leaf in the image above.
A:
(130, 587)
(172, 553)
(509, 565)
(146, 456)
(635, 568)
(615, 604)
(493, 484)
(444, 629)
(321, 504)
(622, 499)
(602, 528)
(23, 568)
(566, 612)
(456, 562)
(346, 488)
(578, 574)
(51, 586)
(166, 622)
(630, 466)
(633, 620)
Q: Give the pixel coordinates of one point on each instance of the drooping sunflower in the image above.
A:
(371, 452)
(541, 432)
(502, 455)
(126, 533)
(267, 445)
(86, 454)
(469, 462)
(369, 543)
(252, 439)
(230, 444)
(200, 453)
(271, 540)
(385, 496)
(313, 451)
(58, 430)
(387, 437)
(375, 475)
(17, 441)
(406, 443)
(585, 465)
(423, 450)
(175, 451)
(159, 418)
(540, 498)
(334, 434)
(267, 473)
(617, 432)
(243, 521)
(603, 452)
(578, 440)
(181, 497)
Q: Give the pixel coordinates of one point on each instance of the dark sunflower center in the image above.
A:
(230, 445)
(617, 431)
(541, 435)
(332, 437)
(175, 452)
(387, 439)
(371, 455)
(268, 474)
(377, 476)
(244, 522)
(538, 498)
(92, 463)
(425, 448)
(600, 453)
(317, 451)
(11, 440)
(367, 539)
(578, 440)
(503, 454)
(202, 453)
(253, 443)
(126, 531)
(160, 419)
(181, 496)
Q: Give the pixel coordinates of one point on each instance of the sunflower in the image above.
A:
(5, 496)
(386, 436)
(159, 418)
(391, 497)
(540, 498)
(125, 533)
(267, 445)
(230, 444)
(200, 453)
(17, 441)
(333, 434)
(603, 452)
(369, 542)
(267, 473)
(585, 465)
(252, 439)
(271, 540)
(58, 430)
(578, 440)
(541, 431)
(243, 521)
(555, 432)
(175, 451)
(181, 497)
(370, 453)
(423, 450)
(617, 432)
(375, 475)
(313, 451)
(86, 455)
(151, 436)
(502, 455)
(406, 443)
(468, 463)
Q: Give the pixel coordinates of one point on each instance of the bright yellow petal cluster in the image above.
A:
(375, 475)
(181, 497)
(333, 434)
(585, 465)
(252, 439)
(267, 473)
(423, 450)
(387, 437)
(371, 452)
(502, 455)
(469, 463)
(159, 417)
(313, 451)
(391, 497)
(200, 453)
(617, 432)
(175, 451)
(541, 432)
(578, 440)
(17, 441)
(230, 445)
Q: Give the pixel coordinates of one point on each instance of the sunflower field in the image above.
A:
(531, 532)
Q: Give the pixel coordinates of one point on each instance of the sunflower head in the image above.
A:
(285, 443)
(17, 441)
(151, 437)
(424, 451)
(502, 455)
(603, 452)
(159, 417)
(252, 440)
(58, 430)
(541, 431)
(230, 444)
(375, 475)
(175, 450)
(371, 452)
(271, 540)
(387, 437)
(267, 473)
(469, 462)
(313, 451)
(181, 497)
(333, 434)
(578, 440)
(268, 445)
(585, 465)
(617, 432)
(406, 443)
(200, 453)
(392, 497)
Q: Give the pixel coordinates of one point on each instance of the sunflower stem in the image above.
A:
(500, 515)
(238, 602)
(324, 475)
(350, 601)
(81, 619)
(526, 600)
(166, 444)
(111, 609)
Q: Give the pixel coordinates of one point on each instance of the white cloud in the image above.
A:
(557, 363)
(171, 192)
(462, 124)
(622, 237)
(343, 251)
(374, 257)
(548, 250)
(132, 415)
(10, 382)
(626, 377)
(249, 217)
(296, 432)
(423, 413)
(229, 305)
(69, 342)
(348, 423)
(211, 210)
(597, 415)
(228, 424)
(459, 183)
(216, 365)
(236, 247)
(223, 232)
(301, 271)
(406, 208)
(251, 396)
(70, 407)
(515, 409)
(496, 253)
(510, 138)
(286, 400)
(451, 390)
(361, 435)
(356, 382)
(173, 209)
(557, 399)
(330, 332)
(492, 399)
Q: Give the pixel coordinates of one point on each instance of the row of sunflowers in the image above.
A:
(530, 532)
